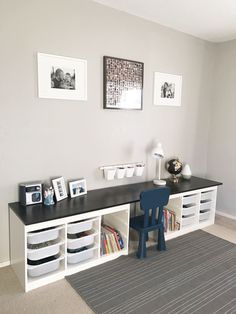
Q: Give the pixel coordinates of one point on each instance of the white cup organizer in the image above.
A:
(123, 171)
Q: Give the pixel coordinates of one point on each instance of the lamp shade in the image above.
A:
(158, 152)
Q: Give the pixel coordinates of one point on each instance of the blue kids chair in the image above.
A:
(150, 200)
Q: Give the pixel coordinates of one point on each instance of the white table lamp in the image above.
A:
(158, 154)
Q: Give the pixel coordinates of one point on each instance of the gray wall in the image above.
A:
(222, 149)
(42, 138)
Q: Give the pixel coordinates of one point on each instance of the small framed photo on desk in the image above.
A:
(77, 188)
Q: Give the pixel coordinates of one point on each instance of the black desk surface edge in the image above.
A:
(100, 199)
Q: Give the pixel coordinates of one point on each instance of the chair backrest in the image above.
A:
(151, 200)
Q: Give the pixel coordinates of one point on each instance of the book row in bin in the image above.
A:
(170, 221)
(111, 240)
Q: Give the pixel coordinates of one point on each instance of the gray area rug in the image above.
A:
(197, 274)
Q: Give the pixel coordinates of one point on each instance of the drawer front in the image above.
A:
(81, 242)
(190, 199)
(204, 216)
(74, 258)
(189, 211)
(207, 196)
(80, 226)
(43, 252)
(43, 236)
(39, 270)
(206, 206)
(186, 221)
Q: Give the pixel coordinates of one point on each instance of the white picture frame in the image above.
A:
(78, 188)
(59, 188)
(62, 77)
(167, 89)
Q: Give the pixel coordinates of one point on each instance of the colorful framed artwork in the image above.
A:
(167, 89)
(123, 83)
(62, 77)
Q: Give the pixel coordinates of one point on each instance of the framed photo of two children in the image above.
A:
(62, 77)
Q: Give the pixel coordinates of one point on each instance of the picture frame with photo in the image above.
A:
(167, 89)
(59, 188)
(78, 188)
(62, 77)
(122, 83)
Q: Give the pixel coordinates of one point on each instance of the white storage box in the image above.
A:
(206, 206)
(44, 252)
(204, 216)
(45, 268)
(188, 220)
(74, 244)
(43, 236)
(191, 199)
(189, 210)
(80, 226)
(74, 258)
(207, 196)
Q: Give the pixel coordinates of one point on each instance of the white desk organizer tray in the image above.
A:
(123, 171)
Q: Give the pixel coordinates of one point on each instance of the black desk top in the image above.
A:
(100, 199)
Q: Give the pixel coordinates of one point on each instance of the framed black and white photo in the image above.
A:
(78, 188)
(123, 83)
(167, 89)
(62, 77)
(59, 188)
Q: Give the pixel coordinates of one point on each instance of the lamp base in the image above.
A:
(159, 182)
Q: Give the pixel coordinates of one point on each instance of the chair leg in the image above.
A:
(142, 245)
(161, 246)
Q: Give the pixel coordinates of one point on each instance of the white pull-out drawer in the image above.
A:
(191, 210)
(74, 258)
(80, 226)
(43, 235)
(73, 244)
(206, 206)
(207, 196)
(204, 216)
(44, 252)
(188, 220)
(190, 199)
(45, 268)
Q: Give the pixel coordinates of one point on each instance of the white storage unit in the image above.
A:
(194, 210)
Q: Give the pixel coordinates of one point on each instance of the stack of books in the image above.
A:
(111, 240)
(170, 222)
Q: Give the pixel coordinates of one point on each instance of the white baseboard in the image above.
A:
(219, 212)
(4, 264)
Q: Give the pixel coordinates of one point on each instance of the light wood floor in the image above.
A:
(59, 297)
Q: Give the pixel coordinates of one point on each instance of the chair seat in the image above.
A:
(137, 224)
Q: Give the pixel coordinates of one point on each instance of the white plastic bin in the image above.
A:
(80, 226)
(120, 172)
(204, 216)
(186, 221)
(44, 252)
(207, 196)
(43, 236)
(109, 173)
(206, 206)
(45, 268)
(189, 199)
(74, 258)
(189, 210)
(130, 171)
(74, 244)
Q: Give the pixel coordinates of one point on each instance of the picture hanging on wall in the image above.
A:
(62, 77)
(123, 83)
(167, 89)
